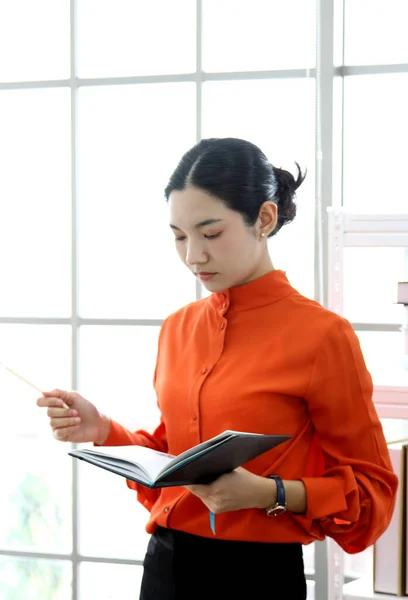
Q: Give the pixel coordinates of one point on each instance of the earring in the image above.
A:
(263, 234)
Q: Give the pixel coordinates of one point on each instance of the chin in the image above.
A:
(214, 286)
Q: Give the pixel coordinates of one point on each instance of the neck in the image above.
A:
(265, 267)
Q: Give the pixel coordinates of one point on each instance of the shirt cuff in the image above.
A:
(324, 496)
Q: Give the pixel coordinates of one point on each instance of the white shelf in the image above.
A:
(390, 395)
(362, 589)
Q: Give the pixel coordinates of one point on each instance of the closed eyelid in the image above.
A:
(206, 234)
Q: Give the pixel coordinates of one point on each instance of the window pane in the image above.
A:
(34, 40)
(370, 295)
(375, 142)
(384, 355)
(41, 354)
(278, 116)
(121, 533)
(376, 32)
(130, 141)
(259, 35)
(35, 499)
(109, 582)
(35, 229)
(127, 358)
(123, 37)
(34, 579)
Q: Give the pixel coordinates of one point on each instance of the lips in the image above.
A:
(205, 276)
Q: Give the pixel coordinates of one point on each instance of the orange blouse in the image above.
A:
(263, 358)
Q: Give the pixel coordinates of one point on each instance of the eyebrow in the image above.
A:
(201, 224)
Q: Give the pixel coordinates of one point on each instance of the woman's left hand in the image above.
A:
(235, 491)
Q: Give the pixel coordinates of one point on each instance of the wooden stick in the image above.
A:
(30, 383)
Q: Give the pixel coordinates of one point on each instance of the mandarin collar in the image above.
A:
(265, 290)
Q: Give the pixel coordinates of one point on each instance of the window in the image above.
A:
(98, 101)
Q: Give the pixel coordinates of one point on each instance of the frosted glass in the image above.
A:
(131, 139)
(375, 143)
(376, 32)
(109, 582)
(259, 35)
(116, 372)
(117, 528)
(35, 499)
(33, 579)
(41, 354)
(34, 40)
(133, 37)
(35, 203)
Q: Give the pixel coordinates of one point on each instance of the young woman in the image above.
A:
(256, 356)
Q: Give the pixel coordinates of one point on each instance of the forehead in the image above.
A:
(190, 206)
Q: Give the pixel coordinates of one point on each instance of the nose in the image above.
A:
(195, 253)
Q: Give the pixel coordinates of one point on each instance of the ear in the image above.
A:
(267, 218)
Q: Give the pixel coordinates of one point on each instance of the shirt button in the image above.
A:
(204, 371)
(166, 509)
(194, 417)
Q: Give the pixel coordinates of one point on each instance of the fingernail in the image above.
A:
(74, 413)
(77, 420)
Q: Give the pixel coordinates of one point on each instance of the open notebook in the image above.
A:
(201, 464)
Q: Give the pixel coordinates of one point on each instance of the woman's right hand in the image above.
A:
(73, 418)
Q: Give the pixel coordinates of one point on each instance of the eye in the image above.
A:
(212, 237)
(180, 238)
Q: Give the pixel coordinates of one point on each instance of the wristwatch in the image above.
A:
(280, 506)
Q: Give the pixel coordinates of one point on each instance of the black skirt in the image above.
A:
(181, 566)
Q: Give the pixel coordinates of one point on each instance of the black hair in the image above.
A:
(238, 173)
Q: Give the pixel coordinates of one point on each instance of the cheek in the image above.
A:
(226, 245)
(181, 251)
(232, 248)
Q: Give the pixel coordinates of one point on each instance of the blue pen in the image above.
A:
(212, 522)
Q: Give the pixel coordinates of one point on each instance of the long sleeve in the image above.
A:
(120, 436)
(353, 499)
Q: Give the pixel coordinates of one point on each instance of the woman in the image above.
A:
(254, 356)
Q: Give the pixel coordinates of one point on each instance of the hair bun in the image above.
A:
(287, 186)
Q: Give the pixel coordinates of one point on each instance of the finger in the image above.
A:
(63, 423)
(64, 434)
(57, 393)
(61, 412)
(48, 402)
(65, 396)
